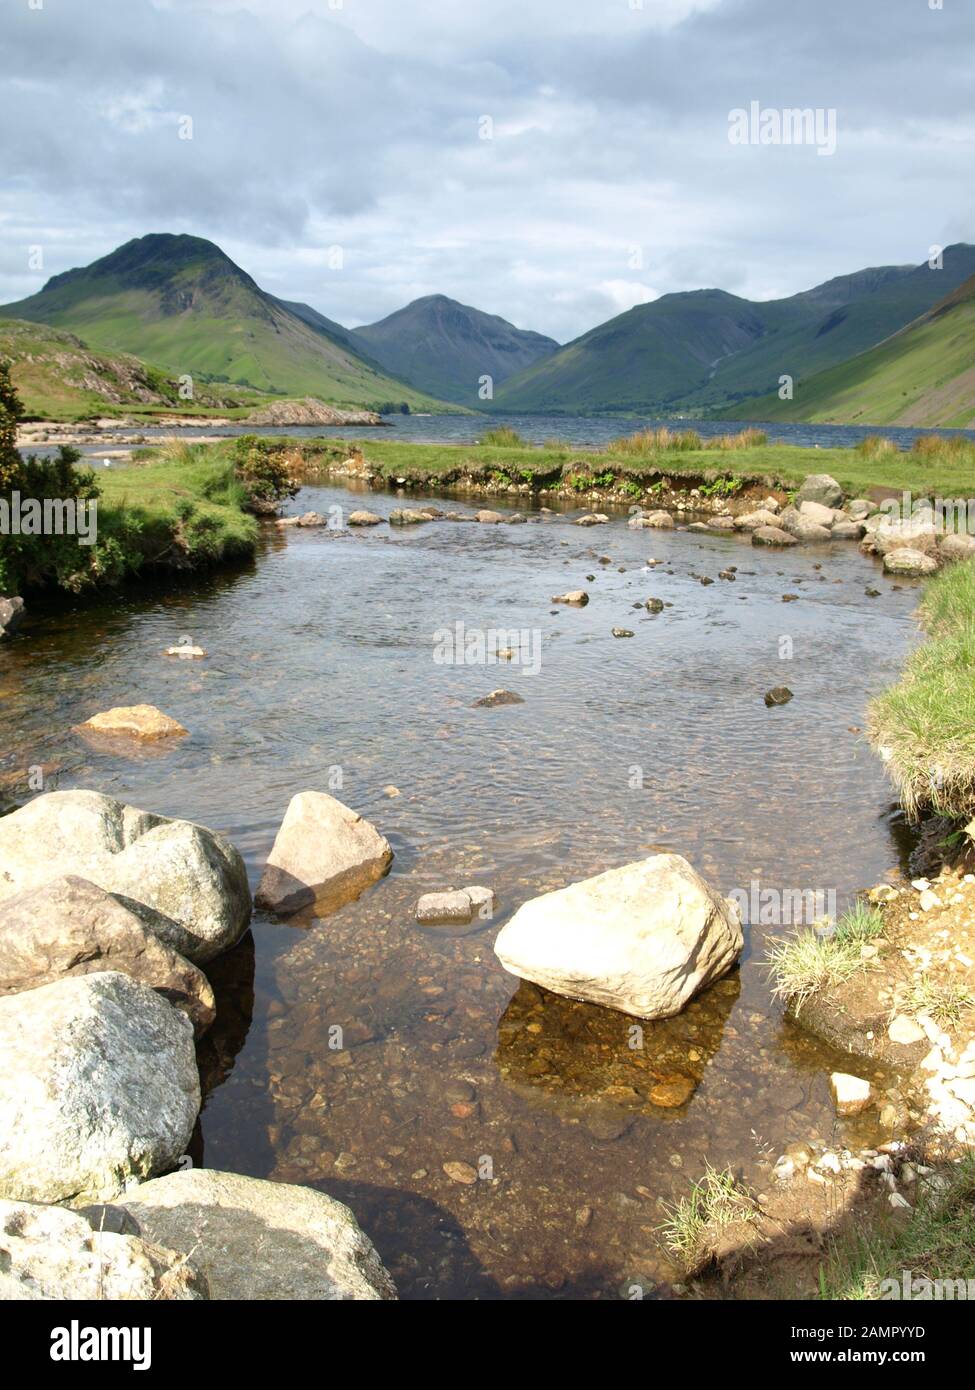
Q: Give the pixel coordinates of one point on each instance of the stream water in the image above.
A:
(321, 674)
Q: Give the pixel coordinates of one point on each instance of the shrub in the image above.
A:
(266, 471)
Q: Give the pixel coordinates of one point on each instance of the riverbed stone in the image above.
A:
(772, 535)
(498, 697)
(820, 487)
(70, 926)
(260, 1240)
(904, 560)
(488, 518)
(816, 512)
(325, 854)
(98, 1088)
(654, 521)
(448, 907)
(847, 530)
(644, 938)
(575, 598)
(408, 516)
(134, 721)
(50, 1253)
(809, 532)
(915, 533)
(778, 695)
(188, 884)
(751, 521)
(11, 615)
(364, 518)
(851, 1094)
(905, 1031)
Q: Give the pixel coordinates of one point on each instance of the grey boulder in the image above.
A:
(69, 926)
(188, 884)
(98, 1088)
(260, 1240)
(324, 855)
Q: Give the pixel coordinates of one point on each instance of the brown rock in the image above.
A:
(134, 721)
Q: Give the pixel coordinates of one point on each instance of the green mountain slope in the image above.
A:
(180, 303)
(59, 377)
(706, 350)
(924, 375)
(444, 347)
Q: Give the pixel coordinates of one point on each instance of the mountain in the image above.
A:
(444, 348)
(707, 351)
(181, 304)
(923, 375)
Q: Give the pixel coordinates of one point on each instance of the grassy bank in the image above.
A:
(636, 461)
(924, 726)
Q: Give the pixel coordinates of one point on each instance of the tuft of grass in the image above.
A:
(750, 438)
(943, 1001)
(504, 437)
(697, 1227)
(924, 726)
(803, 964)
(937, 1243)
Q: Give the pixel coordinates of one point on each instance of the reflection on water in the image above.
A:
(320, 672)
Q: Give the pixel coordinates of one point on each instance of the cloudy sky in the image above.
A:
(609, 177)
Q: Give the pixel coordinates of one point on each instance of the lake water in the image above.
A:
(590, 432)
(321, 670)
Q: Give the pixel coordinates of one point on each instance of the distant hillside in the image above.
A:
(444, 348)
(58, 376)
(707, 351)
(181, 304)
(924, 375)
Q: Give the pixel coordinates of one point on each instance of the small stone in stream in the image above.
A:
(872, 593)
(449, 907)
(583, 1216)
(186, 652)
(778, 695)
(622, 632)
(706, 579)
(391, 790)
(578, 598)
(790, 598)
(134, 721)
(498, 697)
(489, 518)
(363, 518)
(851, 1094)
(463, 1110)
(605, 560)
(672, 1091)
(607, 1127)
(459, 1090)
(590, 578)
(727, 574)
(654, 605)
(482, 900)
(460, 1172)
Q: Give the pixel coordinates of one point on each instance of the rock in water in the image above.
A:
(644, 938)
(772, 535)
(851, 1094)
(778, 695)
(134, 721)
(71, 927)
(98, 1088)
(260, 1240)
(47, 1252)
(912, 563)
(11, 615)
(189, 885)
(577, 598)
(498, 697)
(364, 518)
(324, 855)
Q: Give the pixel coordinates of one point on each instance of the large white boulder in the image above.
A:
(49, 1253)
(908, 561)
(915, 533)
(644, 938)
(260, 1240)
(323, 856)
(98, 1088)
(188, 884)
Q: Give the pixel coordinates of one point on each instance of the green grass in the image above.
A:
(938, 1242)
(697, 1226)
(943, 1001)
(924, 726)
(803, 963)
